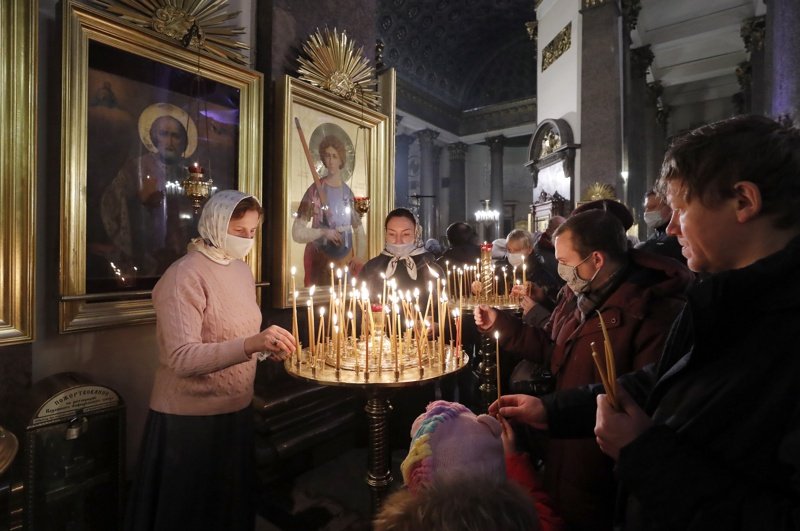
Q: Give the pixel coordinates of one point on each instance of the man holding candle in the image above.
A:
(709, 437)
(638, 295)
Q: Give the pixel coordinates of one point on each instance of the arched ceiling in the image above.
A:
(466, 53)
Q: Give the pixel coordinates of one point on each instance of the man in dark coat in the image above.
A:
(464, 248)
(709, 438)
(638, 295)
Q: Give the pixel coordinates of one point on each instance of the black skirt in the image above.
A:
(194, 472)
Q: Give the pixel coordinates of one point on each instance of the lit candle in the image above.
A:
(505, 281)
(321, 336)
(331, 266)
(524, 267)
(497, 361)
(295, 328)
(310, 319)
(195, 168)
(336, 346)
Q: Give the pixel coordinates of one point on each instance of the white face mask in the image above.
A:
(516, 259)
(401, 249)
(238, 247)
(653, 219)
(574, 281)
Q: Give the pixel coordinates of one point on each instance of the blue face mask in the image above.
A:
(574, 281)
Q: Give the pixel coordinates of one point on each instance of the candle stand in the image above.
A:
(377, 384)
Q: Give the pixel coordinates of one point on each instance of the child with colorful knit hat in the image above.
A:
(457, 477)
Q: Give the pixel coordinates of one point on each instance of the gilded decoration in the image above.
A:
(198, 24)
(597, 191)
(18, 111)
(334, 65)
(532, 27)
(630, 13)
(753, 33)
(556, 47)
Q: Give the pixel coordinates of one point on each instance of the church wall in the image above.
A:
(559, 86)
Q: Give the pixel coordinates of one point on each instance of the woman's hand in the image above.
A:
(485, 317)
(521, 290)
(527, 304)
(274, 339)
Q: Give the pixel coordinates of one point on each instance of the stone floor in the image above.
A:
(332, 497)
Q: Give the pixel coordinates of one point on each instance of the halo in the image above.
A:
(156, 111)
(329, 129)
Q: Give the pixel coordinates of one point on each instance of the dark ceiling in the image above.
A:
(468, 53)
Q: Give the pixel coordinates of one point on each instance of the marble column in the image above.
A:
(458, 181)
(783, 58)
(427, 180)
(401, 145)
(602, 73)
(496, 145)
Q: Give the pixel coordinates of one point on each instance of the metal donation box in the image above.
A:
(74, 452)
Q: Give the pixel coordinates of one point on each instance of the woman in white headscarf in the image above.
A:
(403, 258)
(196, 464)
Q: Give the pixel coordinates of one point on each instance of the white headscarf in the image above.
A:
(213, 225)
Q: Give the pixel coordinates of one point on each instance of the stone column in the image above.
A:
(636, 113)
(783, 58)
(441, 185)
(496, 144)
(427, 181)
(602, 73)
(458, 181)
(401, 145)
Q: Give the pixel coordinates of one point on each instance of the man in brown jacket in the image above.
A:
(639, 295)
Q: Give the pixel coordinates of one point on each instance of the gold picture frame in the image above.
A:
(91, 41)
(18, 72)
(368, 136)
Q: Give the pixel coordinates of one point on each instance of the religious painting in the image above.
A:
(334, 166)
(141, 115)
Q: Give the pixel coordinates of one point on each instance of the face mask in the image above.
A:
(516, 259)
(570, 276)
(238, 247)
(401, 249)
(653, 219)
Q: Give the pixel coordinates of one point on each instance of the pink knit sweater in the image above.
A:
(204, 312)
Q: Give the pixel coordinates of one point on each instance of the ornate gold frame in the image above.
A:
(18, 77)
(83, 24)
(293, 93)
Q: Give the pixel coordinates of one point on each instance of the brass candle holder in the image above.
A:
(361, 205)
(196, 187)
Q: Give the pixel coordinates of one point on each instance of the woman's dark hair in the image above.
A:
(245, 205)
(596, 230)
(336, 143)
(711, 159)
(400, 213)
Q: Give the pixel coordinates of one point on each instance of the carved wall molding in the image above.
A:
(753, 33)
(552, 143)
(630, 13)
(641, 59)
(458, 150)
(591, 4)
(556, 47)
(744, 75)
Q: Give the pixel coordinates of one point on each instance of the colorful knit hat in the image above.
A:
(449, 441)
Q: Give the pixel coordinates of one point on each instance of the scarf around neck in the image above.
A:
(411, 266)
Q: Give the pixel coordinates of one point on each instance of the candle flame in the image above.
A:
(496, 336)
(294, 270)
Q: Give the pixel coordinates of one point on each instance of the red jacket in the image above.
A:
(638, 315)
(519, 469)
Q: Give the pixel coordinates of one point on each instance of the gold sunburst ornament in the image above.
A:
(599, 191)
(194, 23)
(334, 65)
